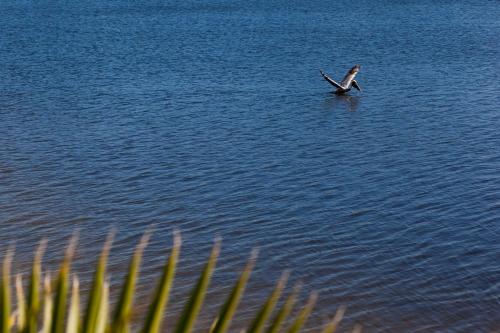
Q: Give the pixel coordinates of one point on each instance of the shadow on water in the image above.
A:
(348, 102)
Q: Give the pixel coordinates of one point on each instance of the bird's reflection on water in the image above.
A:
(350, 103)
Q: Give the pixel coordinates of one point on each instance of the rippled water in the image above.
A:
(211, 117)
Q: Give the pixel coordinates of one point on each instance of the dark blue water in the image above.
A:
(211, 117)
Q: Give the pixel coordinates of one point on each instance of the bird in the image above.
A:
(348, 81)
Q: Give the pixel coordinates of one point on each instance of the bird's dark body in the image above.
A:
(340, 91)
(347, 83)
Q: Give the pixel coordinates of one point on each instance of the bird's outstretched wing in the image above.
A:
(356, 85)
(332, 82)
(346, 82)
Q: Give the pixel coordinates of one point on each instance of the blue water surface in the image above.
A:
(211, 117)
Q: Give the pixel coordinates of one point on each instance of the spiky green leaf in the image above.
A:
(162, 293)
(357, 328)
(5, 320)
(229, 308)
(189, 315)
(260, 320)
(21, 303)
(331, 327)
(94, 301)
(303, 314)
(61, 289)
(284, 312)
(74, 309)
(33, 302)
(102, 316)
(123, 310)
(47, 304)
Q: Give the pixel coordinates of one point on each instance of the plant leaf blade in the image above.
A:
(188, 317)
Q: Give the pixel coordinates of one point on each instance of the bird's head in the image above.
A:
(355, 69)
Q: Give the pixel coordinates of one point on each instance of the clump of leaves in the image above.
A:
(52, 304)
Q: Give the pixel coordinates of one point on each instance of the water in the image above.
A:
(211, 117)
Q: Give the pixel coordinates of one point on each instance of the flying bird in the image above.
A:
(346, 84)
